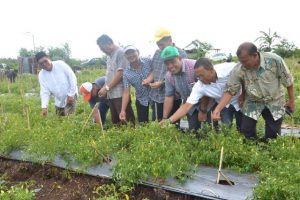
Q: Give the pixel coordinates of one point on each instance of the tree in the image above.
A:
(11, 63)
(23, 52)
(57, 53)
(285, 48)
(267, 40)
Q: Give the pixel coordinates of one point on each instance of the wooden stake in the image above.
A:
(28, 120)
(220, 173)
(220, 165)
(99, 153)
(101, 124)
(95, 106)
(8, 88)
(155, 108)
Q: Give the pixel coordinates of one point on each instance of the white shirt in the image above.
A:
(215, 90)
(60, 81)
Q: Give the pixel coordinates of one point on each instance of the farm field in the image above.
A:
(143, 152)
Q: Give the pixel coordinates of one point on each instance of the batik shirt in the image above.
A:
(262, 86)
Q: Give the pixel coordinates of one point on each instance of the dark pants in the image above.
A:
(193, 121)
(115, 106)
(272, 127)
(142, 112)
(227, 115)
(159, 109)
(67, 110)
(12, 79)
(103, 109)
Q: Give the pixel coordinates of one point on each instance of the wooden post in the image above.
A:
(155, 108)
(220, 173)
(106, 159)
(84, 125)
(28, 119)
(220, 165)
(101, 124)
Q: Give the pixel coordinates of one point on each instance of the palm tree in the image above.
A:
(267, 40)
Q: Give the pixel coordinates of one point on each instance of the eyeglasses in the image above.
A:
(43, 62)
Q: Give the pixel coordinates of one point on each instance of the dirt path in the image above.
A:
(56, 183)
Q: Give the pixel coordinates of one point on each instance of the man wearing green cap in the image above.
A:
(156, 80)
(180, 78)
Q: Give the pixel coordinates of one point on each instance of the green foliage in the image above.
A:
(55, 53)
(10, 62)
(267, 40)
(20, 191)
(297, 53)
(285, 48)
(23, 52)
(148, 152)
(111, 192)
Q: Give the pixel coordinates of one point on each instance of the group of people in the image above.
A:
(175, 86)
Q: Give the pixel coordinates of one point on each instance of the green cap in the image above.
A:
(169, 53)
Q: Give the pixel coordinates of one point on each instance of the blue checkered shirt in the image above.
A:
(133, 77)
(159, 72)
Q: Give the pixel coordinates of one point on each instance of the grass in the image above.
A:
(147, 151)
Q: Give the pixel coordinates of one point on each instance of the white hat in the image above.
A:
(130, 47)
(86, 89)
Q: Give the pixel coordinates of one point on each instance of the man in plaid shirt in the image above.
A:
(156, 80)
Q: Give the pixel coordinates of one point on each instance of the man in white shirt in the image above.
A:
(58, 79)
(211, 83)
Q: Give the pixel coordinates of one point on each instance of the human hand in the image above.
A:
(44, 112)
(122, 116)
(156, 84)
(70, 100)
(291, 105)
(216, 116)
(146, 81)
(102, 92)
(241, 100)
(202, 116)
(162, 122)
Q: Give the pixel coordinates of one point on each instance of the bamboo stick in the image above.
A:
(220, 165)
(95, 106)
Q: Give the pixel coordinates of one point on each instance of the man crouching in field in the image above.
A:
(58, 79)
(90, 94)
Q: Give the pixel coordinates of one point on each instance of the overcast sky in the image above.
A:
(224, 24)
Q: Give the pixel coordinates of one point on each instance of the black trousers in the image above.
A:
(142, 112)
(272, 127)
(159, 109)
(115, 106)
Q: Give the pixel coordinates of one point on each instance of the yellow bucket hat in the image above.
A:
(161, 33)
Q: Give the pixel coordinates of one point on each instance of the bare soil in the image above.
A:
(61, 184)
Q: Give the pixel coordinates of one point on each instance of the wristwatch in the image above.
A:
(106, 88)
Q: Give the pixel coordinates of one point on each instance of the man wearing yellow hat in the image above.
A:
(156, 79)
(90, 94)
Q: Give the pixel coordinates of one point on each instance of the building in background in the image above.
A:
(28, 65)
